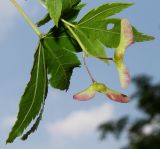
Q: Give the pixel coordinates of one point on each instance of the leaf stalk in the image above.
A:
(29, 21)
(69, 25)
(87, 69)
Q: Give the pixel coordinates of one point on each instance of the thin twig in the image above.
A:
(87, 69)
(29, 21)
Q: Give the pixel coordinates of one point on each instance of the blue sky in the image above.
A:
(68, 124)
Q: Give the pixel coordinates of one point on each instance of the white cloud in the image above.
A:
(81, 122)
(7, 16)
(147, 130)
(150, 128)
(7, 122)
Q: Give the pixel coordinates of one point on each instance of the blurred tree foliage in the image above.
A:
(144, 132)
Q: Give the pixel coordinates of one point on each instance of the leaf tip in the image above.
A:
(130, 4)
(9, 141)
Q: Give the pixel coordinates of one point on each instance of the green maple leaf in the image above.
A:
(98, 29)
(90, 47)
(54, 54)
(100, 34)
(54, 9)
(34, 96)
(60, 59)
(94, 25)
(91, 32)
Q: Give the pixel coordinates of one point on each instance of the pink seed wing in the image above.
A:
(127, 35)
(85, 95)
(123, 75)
(126, 39)
(116, 96)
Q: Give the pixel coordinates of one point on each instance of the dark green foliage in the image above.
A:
(146, 142)
(34, 127)
(34, 96)
(73, 13)
(115, 127)
(56, 57)
(60, 60)
(148, 96)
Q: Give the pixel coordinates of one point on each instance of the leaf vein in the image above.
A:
(89, 19)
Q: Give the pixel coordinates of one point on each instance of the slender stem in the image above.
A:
(34, 27)
(66, 22)
(87, 69)
(68, 25)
